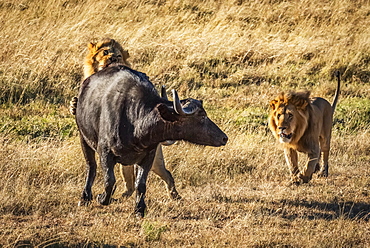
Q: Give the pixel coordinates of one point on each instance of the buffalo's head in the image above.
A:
(190, 121)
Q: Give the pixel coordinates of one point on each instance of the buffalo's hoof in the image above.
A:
(140, 211)
(139, 215)
(295, 180)
(85, 199)
(103, 200)
(175, 196)
(83, 203)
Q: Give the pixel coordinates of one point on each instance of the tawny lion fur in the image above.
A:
(303, 124)
(101, 55)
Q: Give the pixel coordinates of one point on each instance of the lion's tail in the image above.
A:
(73, 105)
(335, 101)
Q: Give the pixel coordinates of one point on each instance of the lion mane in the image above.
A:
(301, 111)
(303, 124)
(102, 54)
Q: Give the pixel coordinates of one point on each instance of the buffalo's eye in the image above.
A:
(105, 52)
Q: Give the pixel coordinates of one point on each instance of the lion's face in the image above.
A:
(284, 122)
(103, 54)
(288, 116)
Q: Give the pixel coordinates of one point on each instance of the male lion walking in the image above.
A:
(303, 124)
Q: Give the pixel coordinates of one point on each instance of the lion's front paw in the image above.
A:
(323, 173)
(317, 168)
(294, 181)
(127, 194)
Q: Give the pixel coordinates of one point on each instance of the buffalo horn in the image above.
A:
(168, 142)
(164, 93)
(177, 105)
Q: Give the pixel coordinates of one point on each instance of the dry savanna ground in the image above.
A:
(235, 55)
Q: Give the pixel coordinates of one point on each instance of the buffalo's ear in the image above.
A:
(166, 113)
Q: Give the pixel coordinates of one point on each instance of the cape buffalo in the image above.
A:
(121, 117)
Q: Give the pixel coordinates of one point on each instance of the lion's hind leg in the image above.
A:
(324, 172)
(160, 169)
(325, 148)
(128, 174)
(317, 168)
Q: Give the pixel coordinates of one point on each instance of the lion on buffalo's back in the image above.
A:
(102, 54)
(99, 56)
(303, 124)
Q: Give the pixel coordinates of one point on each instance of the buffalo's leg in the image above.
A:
(142, 171)
(89, 155)
(159, 168)
(128, 174)
(107, 164)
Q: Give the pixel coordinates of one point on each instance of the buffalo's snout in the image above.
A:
(221, 140)
(215, 135)
(224, 140)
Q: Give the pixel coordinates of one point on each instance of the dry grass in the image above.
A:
(235, 197)
(235, 55)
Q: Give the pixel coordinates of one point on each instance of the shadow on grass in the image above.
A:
(311, 210)
(27, 244)
(329, 211)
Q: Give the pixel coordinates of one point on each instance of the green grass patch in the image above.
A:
(36, 121)
(352, 115)
(153, 231)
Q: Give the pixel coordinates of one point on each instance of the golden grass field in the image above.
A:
(236, 55)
